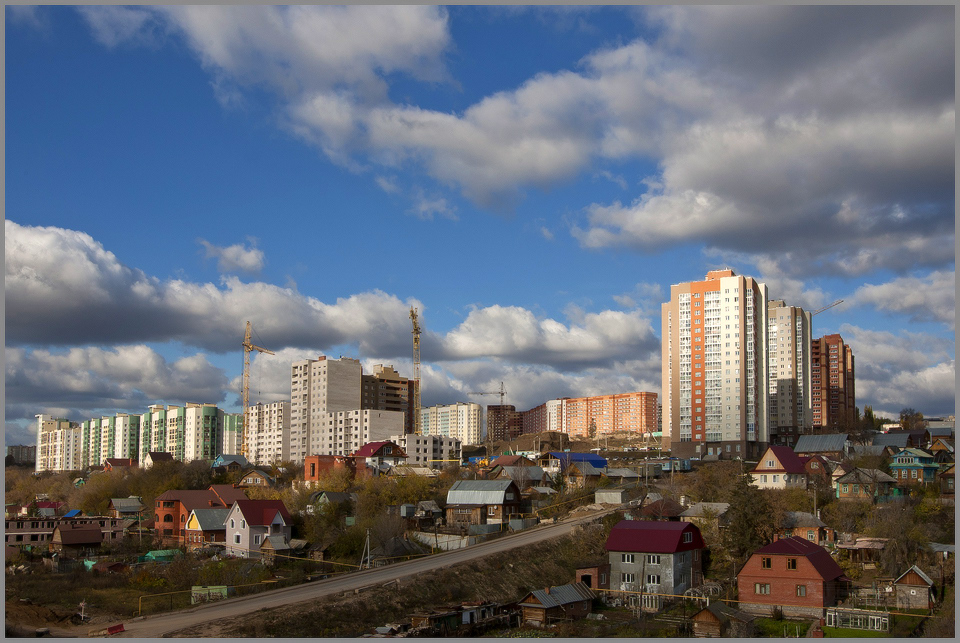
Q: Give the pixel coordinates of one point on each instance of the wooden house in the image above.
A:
(481, 502)
(913, 590)
(719, 620)
(543, 607)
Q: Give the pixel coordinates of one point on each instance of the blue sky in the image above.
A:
(533, 179)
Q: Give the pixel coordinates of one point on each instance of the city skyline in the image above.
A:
(174, 172)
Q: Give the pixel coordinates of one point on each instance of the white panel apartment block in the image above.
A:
(268, 432)
(462, 421)
(432, 451)
(318, 387)
(343, 432)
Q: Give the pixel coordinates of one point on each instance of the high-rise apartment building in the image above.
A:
(833, 392)
(189, 432)
(431, 451)
(22, 453)
(268, 432)
(344, 432)
(504, 422)
(714, 371)
(462, 421)
(588, 417)
(318, 387)
(386, 390)
(231, 434)
(789, 410)
(59, 444)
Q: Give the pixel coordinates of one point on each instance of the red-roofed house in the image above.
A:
(372, 458)
(174, 506)
(251, 521)
(118, 464)
(794, 574)
(659, 557)
(779, 468)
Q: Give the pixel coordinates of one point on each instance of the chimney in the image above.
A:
(547, 590)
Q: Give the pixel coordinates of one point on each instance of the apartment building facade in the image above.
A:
(344, 432)
(267, 429)
(386, 390)
(833, 391)
(463, 421)
(789, 406)
(598, 415)
(504, 422)
(432, 451)
(318, 387)
(59, 444)
(714, 369)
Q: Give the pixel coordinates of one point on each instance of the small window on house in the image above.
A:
(626, 558)
(243, 524)
(770, 464)
(236, 539)
(628, 578)
(761, 588)
(765, 562)
(653, 559)
(792, 564)
(688, 537)
(801, 590)
(232, 524)
(653, 579)
(256, 539)
(491, 511)
(811, 535)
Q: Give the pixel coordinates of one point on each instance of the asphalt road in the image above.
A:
(161, 624)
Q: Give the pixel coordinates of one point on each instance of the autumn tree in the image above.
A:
(912, 420)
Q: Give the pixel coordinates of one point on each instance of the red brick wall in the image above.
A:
(783, 584)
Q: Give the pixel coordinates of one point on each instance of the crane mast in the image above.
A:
(416, 370)
(836, 303)
(248, 347)
(502, 392)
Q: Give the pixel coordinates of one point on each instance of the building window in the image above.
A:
(232, 524)
(653, 579)
(491, 511)
(688, 537)
(761, 588)
(236, 539)
(256, 539)
(801, 590)
(653, 559)
(628, 578)
(765, 563)
(792, 564)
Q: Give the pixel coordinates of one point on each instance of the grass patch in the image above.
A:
(773, 628)
(846, 633)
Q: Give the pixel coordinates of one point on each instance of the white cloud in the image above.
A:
(388, 184)
(428, 206)
(235, 258)
(928, 298)
(545, 232)
(115, 25)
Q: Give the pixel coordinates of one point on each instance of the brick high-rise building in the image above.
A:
(714, 369)
(546, 417)
(833, 391)
(503, 422)
(386, 390)
(597, 415)
(789, 407)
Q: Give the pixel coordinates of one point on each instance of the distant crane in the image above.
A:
(248, 347)
(416, 370)
(836, 303)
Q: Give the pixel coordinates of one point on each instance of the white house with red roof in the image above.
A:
(780, 468)
(656, 557)
(375, 458)
(249, 522)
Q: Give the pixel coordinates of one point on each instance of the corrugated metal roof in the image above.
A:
(130, 504)
(701, 509)
(822, 443)
(891, 439)
(799, 519)
(623, 473)
(586, 468)
(869, 476)
(211, 519)
(479, 492)
(562, 595)
(566, 457)
(919, 573)
(817, 555)
(653, 537)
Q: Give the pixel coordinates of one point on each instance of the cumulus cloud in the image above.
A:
(928, 298)
(897, 370)
(116, 25)
(428, 206)
(90, 381)
(235, 258)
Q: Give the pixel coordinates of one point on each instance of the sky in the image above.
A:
(532, 179)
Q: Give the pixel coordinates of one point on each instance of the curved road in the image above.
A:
(161, 624)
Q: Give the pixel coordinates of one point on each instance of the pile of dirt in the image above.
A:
(23, 618)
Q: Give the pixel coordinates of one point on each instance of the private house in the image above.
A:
(656, 556)
(947, 485)
(866, 484)
(610, 496)
(911, 466)
(914, 590)
(779, 468)
(272, 547)
(71, 539)
(794, 574)
(817, 468)
(375, 458)
(582, 474)
(36, 533)
(803, 524)
(45, 509)
(156, 456)
(897, 441)
(707, 515)
(480, 502)
(227, 464)
(622, 476)
(205, 526)
(537, 498)
(719, 620)
(666, 509)
(556, 462)
(316, 466)
(525, 476)
(942, 451)
(256, 478)
(126, 507)
(832, 446)
(118, 464)
(173, 507)
(864, 551)
(559, 603)
(249, 522)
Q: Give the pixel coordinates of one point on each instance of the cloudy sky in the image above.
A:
(532, 179)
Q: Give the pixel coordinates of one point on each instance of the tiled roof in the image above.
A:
(191, 498)
(817, 555)
(652, 537)
(823, 443)
(262, 512)
(370, 449)
(160, 456)
(561, 595)
(228, 493)
(865, 476)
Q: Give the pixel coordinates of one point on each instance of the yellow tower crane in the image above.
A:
(416, 370)
(248, 347)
